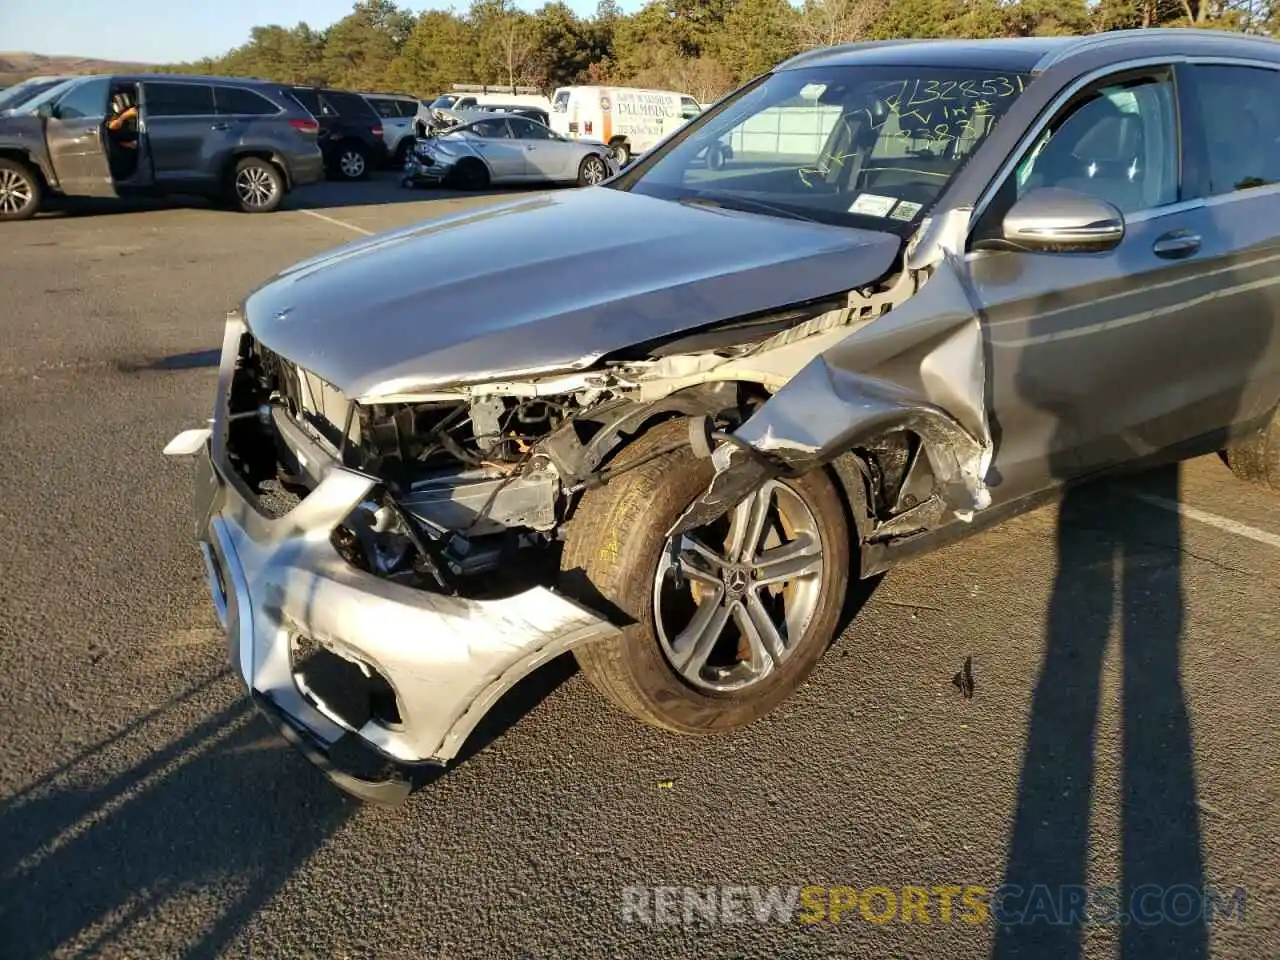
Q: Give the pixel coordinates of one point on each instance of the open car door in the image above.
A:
(75, 134)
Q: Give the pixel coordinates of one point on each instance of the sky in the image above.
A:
(171, 31)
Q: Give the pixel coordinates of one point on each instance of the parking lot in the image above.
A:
(146, 811)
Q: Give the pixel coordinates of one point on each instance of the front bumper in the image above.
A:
(446, 659)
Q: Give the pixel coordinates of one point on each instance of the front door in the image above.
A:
(1099, 358)
(75, 134)
(546, 158)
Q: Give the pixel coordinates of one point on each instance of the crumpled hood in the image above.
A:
(551, 282)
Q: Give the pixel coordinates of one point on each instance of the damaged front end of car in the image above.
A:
(386, 564)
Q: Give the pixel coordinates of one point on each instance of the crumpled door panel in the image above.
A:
(919, 368)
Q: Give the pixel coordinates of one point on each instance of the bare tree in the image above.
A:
(515, 38)
(827, 22)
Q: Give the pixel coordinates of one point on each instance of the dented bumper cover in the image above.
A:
(446, 659)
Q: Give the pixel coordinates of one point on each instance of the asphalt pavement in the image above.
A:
(146, 811)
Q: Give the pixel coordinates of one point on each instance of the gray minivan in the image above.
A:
(243, 141)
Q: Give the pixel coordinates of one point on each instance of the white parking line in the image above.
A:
(338, 223)
(1222, 523)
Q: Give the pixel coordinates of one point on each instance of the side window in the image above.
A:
(408, 108)
(351, 106)
(385, 108)
(523, 129)
(177, 99)
(491, 129)
(1116, 141)
(326, 106)
(1241, 126)
(689, 108)
(309, 100)
(242, 102)
(88, 99)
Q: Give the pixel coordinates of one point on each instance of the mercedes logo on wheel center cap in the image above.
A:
(735, 581)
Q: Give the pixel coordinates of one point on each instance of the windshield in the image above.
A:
(47, 95)
(444, 101)
(870, 147)
(27, 91)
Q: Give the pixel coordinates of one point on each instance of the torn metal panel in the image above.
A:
(920, 368)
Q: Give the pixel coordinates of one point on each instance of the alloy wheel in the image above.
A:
(730, 605)
(255, 187)
(593, 171)
(352, 164)
(15, 191)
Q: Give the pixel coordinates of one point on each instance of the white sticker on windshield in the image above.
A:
(871, 205)
(905, 210)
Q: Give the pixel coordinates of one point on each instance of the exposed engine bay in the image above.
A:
(478, 483)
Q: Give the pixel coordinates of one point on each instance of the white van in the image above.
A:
(628, 119)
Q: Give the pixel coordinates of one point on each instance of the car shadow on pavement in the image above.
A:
(92, 858)
(1113, 551)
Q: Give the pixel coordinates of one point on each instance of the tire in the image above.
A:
(352, 161)
(613, 560)
(592, 170)
(470, 174)
(1256, 458)
(256, 186)
(402, 153)
(621, 152)
(20, 191)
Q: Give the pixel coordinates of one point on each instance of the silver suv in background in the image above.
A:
(398, 112)
(234, 140)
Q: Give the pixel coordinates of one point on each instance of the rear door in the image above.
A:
(1232, 128)
(397, 117)
(75, 134)
(188, 139)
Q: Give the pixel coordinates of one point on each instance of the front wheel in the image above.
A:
(592, 171)
(726, 621)
(19, 191)
(620, 152)
(256, 186)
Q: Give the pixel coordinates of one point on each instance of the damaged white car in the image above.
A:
(663, 422)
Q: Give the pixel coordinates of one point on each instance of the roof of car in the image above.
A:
(1023, 54)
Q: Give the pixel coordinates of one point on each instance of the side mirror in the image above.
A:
(45, 110)
(1050, 219)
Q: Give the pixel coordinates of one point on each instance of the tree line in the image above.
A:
(700, 47)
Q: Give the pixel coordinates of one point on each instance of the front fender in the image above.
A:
(920, 368)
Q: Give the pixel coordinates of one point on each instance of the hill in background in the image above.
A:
(19, 66)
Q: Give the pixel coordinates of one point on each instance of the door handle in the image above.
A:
(218, 126)
(1179, 243)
